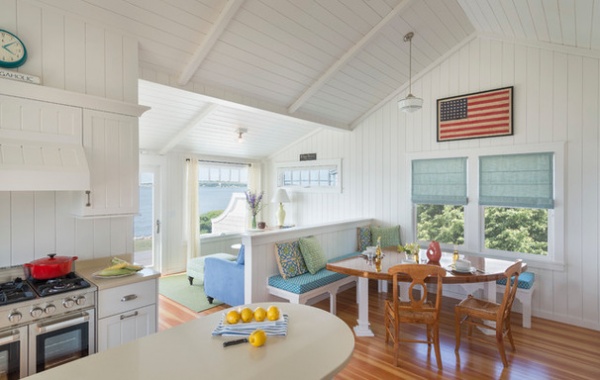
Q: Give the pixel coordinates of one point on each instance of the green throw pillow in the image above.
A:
(390, 236)
(363, 237)
(313, 254)
(289, 259)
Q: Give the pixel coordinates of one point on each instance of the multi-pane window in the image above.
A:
(313, 176)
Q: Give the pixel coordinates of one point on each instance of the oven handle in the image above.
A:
(41, 329)
(9, 337)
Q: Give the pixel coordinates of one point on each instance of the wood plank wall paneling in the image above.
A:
(78, 56)
(557, 99)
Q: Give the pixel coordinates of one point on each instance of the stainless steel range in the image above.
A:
(44, 323)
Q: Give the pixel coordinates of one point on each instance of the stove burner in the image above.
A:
(15, 291)
(58, 285)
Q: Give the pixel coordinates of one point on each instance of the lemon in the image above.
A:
(247, 314)
(260, 314)
(233, 317)
(273, 313)
(257, 338)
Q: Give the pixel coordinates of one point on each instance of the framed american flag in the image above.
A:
(476, 115)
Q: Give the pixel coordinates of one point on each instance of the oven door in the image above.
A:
(60, 340)
(13, 353)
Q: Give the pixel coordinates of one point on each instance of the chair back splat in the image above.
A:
(416, 310)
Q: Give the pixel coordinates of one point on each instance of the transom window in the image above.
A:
(316, 176)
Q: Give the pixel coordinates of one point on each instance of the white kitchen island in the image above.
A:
(317, 346)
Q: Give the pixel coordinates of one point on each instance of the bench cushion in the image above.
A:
(526, 280)
(305, 282)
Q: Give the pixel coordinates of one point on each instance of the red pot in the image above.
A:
(50, 267)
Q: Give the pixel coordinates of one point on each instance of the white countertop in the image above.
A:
(87, 268)
(318, 345)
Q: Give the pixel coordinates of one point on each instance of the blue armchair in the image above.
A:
(224, 279)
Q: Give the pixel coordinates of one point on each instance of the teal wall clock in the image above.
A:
(12, 50)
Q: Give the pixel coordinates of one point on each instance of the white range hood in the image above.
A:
(42, 166)
(41, 146)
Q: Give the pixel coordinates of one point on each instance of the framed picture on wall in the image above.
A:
(476, 115)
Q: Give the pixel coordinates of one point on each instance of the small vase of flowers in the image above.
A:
(412, 251)
(254, 200)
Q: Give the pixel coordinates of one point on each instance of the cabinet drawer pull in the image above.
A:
(129, 297)
(129, 316)
(89, 203)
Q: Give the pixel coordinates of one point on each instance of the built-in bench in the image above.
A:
(525, 288)
(300, 289)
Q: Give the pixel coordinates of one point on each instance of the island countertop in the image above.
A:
(318, 345)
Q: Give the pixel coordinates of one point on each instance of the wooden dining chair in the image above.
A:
(475, 312)
(420, 311)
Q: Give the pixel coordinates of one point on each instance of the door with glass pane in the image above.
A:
(147, 224)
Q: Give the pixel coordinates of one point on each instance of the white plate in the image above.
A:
(95, 274)
(470, 270)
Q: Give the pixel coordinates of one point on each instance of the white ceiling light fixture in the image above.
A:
(240, 132)
(410, 103)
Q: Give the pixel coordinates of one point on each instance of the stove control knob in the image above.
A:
(50, 309)
(36, 312)
(14, 317)
(81, 300)
(68, 302)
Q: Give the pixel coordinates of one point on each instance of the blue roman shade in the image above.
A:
(517, 180)
(440, 181)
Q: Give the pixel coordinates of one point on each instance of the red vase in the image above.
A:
(434, 252)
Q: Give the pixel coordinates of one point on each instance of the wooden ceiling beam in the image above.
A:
(351, 53)
(217, 29)
(183, 132)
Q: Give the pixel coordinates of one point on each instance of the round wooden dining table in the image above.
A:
(484, 271)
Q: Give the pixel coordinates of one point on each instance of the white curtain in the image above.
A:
(191, 207)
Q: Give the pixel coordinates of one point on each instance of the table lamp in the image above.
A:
(280, 197)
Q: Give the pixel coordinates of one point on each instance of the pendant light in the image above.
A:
(410, 103)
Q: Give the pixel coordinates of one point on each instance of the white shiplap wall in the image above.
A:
(557, 98)
(71, 54)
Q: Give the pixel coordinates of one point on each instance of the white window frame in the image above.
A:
(309, 165)
(474, 214)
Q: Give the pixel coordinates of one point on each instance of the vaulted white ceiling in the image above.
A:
(284, 68)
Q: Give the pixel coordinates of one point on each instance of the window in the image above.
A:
(220, 186)
(515, 205)
(314, 176)
(439, 191)
(516, 192)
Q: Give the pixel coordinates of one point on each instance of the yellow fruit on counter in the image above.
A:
(257, 338)
(232, 317)
(247, 314)
(260, 314)
(273, 313)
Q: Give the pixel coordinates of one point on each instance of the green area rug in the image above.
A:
(178, 289)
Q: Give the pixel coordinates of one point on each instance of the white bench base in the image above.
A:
(331, 289)
(524, 296)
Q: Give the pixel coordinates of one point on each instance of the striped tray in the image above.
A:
(272, 328)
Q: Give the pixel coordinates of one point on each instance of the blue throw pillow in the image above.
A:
(240, 257)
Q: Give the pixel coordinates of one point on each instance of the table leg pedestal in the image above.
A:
(363, 329)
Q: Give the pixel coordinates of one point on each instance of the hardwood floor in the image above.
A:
(549, 350)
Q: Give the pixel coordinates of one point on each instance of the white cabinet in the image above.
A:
(111, 144)
(126, 313)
